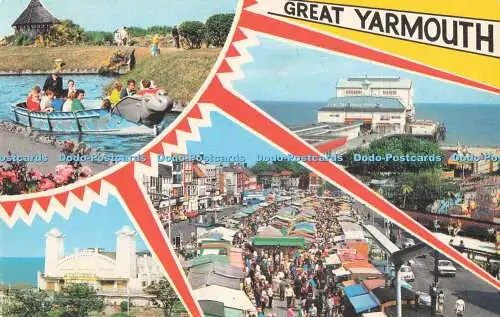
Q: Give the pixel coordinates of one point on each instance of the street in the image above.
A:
(481, 299)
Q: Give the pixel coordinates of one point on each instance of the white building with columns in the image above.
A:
(124, 271)
(380, 86)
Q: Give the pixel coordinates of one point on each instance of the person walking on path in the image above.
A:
(289, 295)
(460, 307)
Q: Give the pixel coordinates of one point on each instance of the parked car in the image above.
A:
(408, 242)
(406, 273)
(446, 268)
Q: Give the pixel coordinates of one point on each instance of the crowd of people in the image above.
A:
(54, 97)
(297, 277)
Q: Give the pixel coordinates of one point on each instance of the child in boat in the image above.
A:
(114, 97)
(69, 101)
(77, 104)
(129, 91)
(33, 101)
(106, 104)
(46, 102)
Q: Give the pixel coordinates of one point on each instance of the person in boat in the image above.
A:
(130, 90)
(114, 97)
(71, 88)
(46, 101)
(106, 105)
(147, 89)
(33, 100)
(77, 103)
(54, 82)
(67, 106)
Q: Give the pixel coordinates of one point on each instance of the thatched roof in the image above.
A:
(35, 13)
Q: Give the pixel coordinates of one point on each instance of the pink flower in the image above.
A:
(37, 175)
(60, 179)
(86, 171)
(68, 171)
(46, 184)
(59, 168)
(14, 179)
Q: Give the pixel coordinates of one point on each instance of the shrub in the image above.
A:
(193, 33)
(23, 40)
(124, 306)
(218, 27)
(65, 32)
(98, 37)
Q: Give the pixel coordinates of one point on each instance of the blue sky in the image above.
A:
(224, 132)
(285, 72)
(95, 229)
(111, 14)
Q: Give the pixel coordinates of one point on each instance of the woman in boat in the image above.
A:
(147, 89)
(129, 91)
(77, 104)
(114, 97)
(106, 105)
(33, 100)
(46, 102)
(67, 106)
(71, 88)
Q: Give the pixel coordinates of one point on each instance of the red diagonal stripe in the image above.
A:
(9, 207)
(95, 187)
(232, 51)
(238, 35)
(79, 192)
(184, 125)
(27, 204)
(62, 197)
(171, 138)
(195, 113)
(224, 67)
(274, 133)
(154, 234)
(44, 202)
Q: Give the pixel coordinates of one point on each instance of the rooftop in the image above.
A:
(35, 13)
(364, 103)
(374, 82)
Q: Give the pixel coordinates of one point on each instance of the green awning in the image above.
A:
(279, 241)
(205, 259)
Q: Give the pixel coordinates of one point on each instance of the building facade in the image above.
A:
(112, 274)
(379, 114)
(387, 87)
(35, 20)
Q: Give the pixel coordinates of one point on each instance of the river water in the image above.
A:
(14, 89)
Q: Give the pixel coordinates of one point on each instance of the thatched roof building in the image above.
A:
(34, 20)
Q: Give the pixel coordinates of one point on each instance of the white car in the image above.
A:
(408, 242)
(446, 268)
(406, 274)
(424, 299)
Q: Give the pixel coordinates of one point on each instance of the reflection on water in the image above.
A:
(14, 89)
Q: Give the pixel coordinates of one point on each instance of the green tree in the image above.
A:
(27, 302)
(260, 167)
(396, 146)
(81, 297)
(193, 33)
(164, 296)
(217, 28)
(65, 32)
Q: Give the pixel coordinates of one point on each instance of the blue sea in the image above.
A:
(20, 270)
(470, 124)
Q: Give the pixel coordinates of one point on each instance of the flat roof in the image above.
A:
(359, 103)
(384, 242)
(375, 82)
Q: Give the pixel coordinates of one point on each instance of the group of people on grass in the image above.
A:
(70, 99)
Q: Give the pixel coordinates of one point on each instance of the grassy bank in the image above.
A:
(77, 57)
(181, 73)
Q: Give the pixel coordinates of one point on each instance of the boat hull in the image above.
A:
(87, 121)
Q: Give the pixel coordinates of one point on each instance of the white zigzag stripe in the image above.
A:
(182, 137)
(245, 57)
(55, 207)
